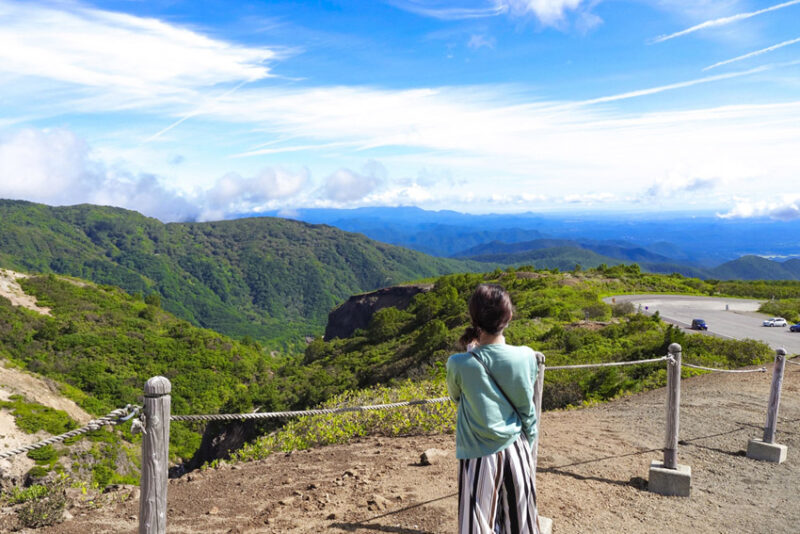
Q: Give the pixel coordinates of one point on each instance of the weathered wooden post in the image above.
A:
(673, 407)
(537, 400)
(766, 449)
(669, 477)
(155, 456)
(545, 523)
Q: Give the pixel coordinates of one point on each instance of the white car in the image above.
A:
(775, 321)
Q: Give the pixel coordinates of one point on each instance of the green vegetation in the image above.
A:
(32, 417)
(42, 506)
(786, 308)
(103, 344)
(274, 280)
(312, 431)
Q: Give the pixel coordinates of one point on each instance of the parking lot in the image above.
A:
(732, 318)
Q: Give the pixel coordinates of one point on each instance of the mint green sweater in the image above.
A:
(486, 423)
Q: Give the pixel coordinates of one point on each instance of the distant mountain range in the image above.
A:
(699, 246)
(274, 278)
(704, 240)
(263, 277)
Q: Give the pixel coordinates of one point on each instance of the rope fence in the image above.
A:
(606, 364)
(325, 411)
(794, 362)
(121, 415)
(693, 366)
(115, 417)
(667, 477)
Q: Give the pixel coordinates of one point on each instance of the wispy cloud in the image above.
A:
(753, 54)
(477, 41)
(723, 21)
(676, 183)
(87, 47)
(548, 12)
(204, 107)
(670, 87)
(446, 11)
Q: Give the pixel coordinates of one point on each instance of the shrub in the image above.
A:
(44, 508)
(622, 309)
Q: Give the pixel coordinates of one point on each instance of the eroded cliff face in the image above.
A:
(359, 309)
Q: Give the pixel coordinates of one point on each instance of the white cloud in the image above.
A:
(233, 193)
(346, 185)
(785, 209)
(549, 12)
(56, 167)
(89, 47)
(677, 183)
(722, 21)
(446, 10)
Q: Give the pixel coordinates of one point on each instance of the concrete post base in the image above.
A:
(665, 481)
(757, 449)
(545, 525)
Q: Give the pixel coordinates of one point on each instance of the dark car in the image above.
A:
(699, 324)
(795, 328)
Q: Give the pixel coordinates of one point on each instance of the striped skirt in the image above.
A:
(497, 493)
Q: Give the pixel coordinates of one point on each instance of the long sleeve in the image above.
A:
(453, 386)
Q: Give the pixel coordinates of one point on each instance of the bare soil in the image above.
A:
(592, 477)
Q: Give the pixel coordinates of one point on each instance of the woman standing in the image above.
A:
(493, 386)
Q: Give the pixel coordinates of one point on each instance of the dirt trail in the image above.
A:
(10, 289)
(593, 466)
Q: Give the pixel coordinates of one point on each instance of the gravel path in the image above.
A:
(593, 467)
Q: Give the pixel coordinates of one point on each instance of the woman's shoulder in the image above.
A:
(458, 358)
(518, 349)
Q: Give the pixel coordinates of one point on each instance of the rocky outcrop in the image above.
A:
(359, 309)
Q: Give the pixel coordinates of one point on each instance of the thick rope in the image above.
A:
(759, 370)
(323, 411)
(113, 418)
(608, 364)
(793, 362)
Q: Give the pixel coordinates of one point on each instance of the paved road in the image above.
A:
(732, 318)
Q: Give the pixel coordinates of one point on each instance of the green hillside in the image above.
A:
(265, 278)
(758, 268)
(104, 343)
(557, 257)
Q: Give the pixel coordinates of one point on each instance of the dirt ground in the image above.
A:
(592, 477)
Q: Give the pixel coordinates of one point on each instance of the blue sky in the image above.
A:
(202, 110)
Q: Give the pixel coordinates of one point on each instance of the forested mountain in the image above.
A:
(617, 250)
(696, 239)
(758, 268)
(264, 277)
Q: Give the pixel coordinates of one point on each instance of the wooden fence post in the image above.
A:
(767, 449)
(673, 407)
(537, 401)
(669, 477)
(545, 523)
(155, 457)
(775, 396)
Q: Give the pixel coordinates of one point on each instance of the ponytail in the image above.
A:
(472, 333)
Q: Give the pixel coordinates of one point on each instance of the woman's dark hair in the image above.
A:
(490, 309)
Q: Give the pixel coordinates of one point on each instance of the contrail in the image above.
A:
(722, 21)
(194, 113)
(752, 54)
(662, 88)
